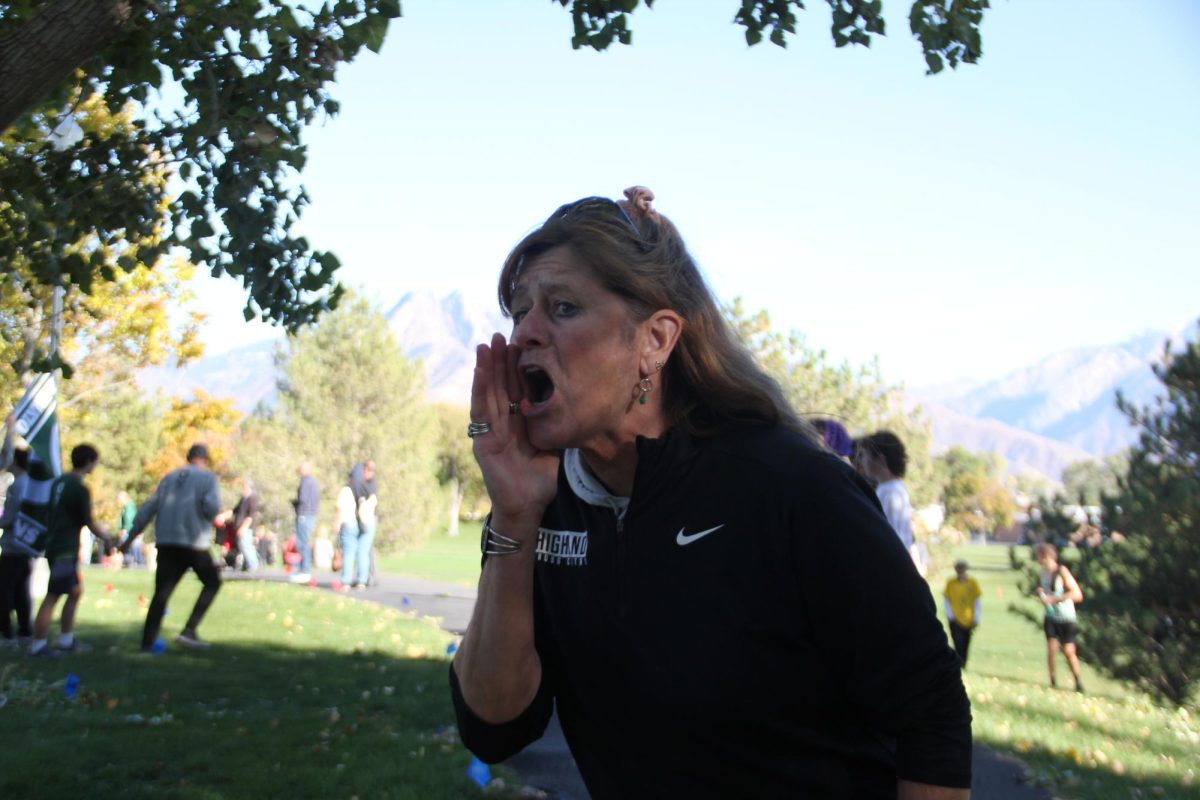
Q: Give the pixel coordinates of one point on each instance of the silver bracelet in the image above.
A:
(497, 544)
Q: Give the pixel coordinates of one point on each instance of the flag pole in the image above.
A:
(56, 311)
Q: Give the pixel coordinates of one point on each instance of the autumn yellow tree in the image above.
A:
(202, 418)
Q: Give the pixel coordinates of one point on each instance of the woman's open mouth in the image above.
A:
(538, 386)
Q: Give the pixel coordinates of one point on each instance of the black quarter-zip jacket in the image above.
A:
(749, 626)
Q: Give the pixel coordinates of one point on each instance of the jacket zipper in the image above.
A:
(622, 577)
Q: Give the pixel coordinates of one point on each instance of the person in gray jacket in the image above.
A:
(186, 505)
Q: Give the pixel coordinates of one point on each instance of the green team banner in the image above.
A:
(37, 421)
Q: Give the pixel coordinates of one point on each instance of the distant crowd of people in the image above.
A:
(52, 517)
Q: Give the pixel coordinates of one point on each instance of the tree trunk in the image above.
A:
(41, 53)
(456, 498)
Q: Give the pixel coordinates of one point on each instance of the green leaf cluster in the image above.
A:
(252, 74)
(948, 31)
(598, 23)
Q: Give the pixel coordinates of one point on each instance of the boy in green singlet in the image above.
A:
(70, 511)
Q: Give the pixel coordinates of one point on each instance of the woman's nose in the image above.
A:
(528, 332)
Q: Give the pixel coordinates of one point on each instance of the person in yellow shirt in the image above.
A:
(962, 609)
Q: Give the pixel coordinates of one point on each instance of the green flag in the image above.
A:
(37, 421)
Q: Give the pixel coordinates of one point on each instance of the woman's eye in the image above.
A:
(565, 309)
(517, 316)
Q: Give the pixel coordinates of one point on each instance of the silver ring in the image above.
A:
(478, 429)
(514, 407)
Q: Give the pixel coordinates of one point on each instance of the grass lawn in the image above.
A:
(1111, 743)
(442, 558)
(304, 694)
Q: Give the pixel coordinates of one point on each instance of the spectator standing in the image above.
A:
(124, 524)
(185, 506)
(16, 556)
(70, 512)
(346, 523)
(307, 502)
(962, 597)
(883, 460)
(368, 520)
(245, 515)
(9, 448)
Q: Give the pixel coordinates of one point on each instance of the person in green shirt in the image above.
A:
(70, 512)
(124, 524)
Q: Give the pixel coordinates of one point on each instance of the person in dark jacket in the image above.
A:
(16, 557)
(307, 502)
(714, 602)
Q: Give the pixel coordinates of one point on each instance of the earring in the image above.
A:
(658, 365)
(645, 385)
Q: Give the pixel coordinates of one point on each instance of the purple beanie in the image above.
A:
(835, 436)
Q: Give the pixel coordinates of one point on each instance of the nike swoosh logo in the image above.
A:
(683, 539)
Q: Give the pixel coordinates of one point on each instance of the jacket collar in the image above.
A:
(659, 463)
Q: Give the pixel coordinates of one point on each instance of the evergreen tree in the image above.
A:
(1147, 588)
(348, 394)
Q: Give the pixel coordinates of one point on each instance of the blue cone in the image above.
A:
(451, 649)
(159, 647)
(479, 772)
(71, 687)
(404, 601)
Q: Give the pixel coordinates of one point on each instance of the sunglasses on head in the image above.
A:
(598, 205)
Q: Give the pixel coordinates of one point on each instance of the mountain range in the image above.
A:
(1039, 418)
(1060, 409)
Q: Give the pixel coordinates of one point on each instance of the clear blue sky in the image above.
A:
(958, 226)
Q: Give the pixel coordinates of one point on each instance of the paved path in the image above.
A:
(547, 763)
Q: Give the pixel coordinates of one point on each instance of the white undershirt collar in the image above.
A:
(587, 487)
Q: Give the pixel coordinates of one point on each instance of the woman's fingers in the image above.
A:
(481, 384)
(500, 357)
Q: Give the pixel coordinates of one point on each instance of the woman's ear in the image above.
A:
(661, 333)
